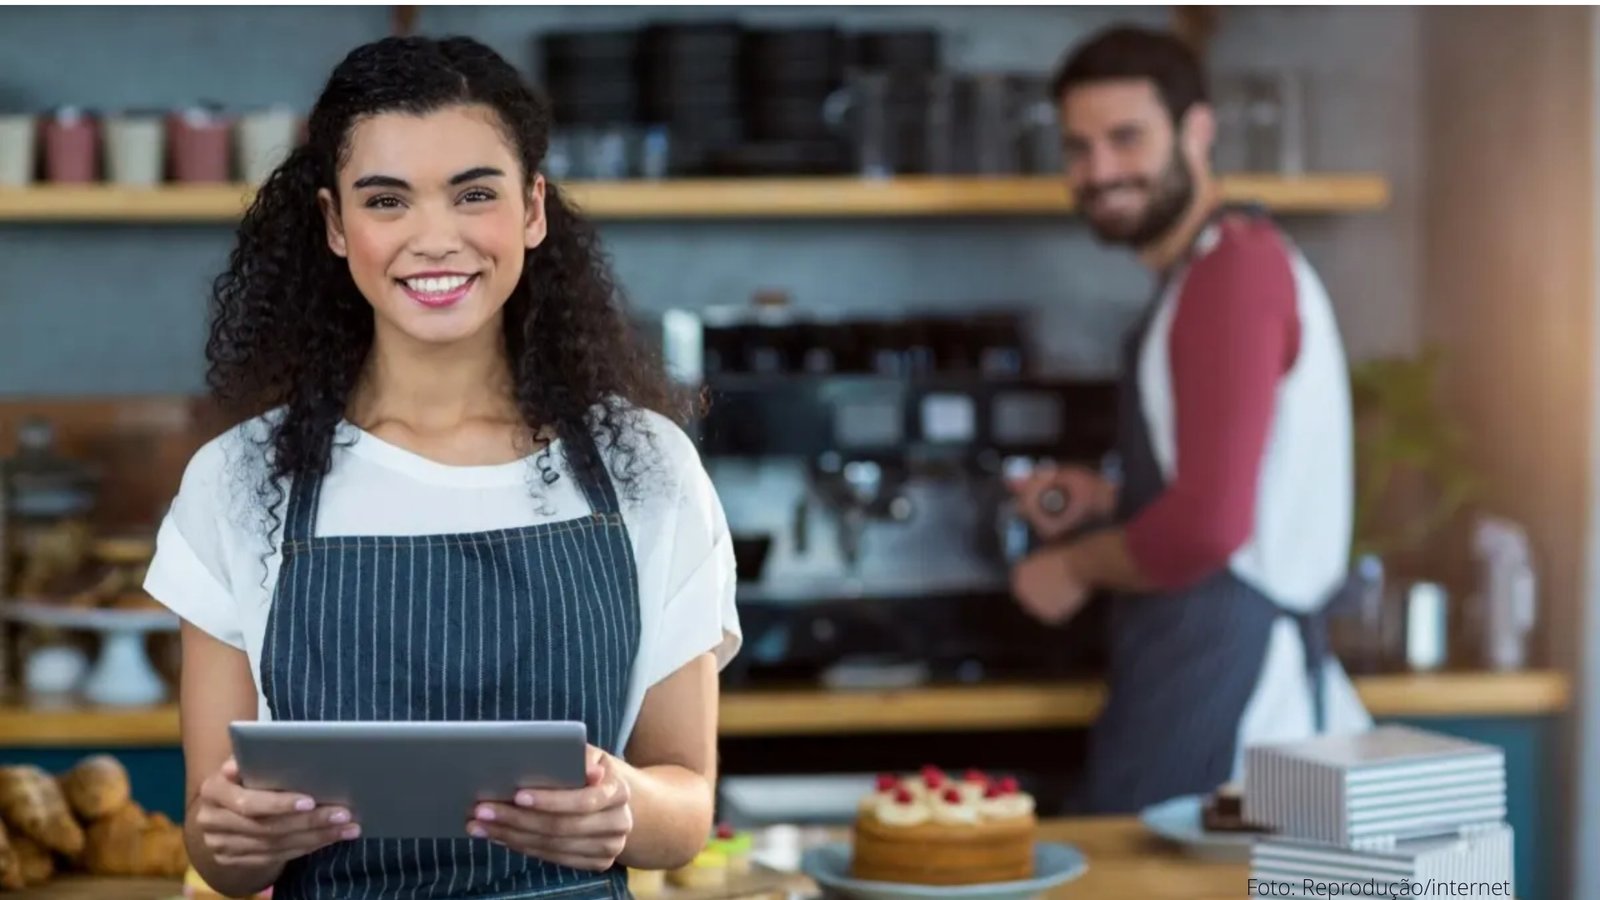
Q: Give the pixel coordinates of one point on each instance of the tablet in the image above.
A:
(409, 779)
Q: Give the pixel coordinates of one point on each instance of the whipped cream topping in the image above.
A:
(931, 796)
(903, 815)
(1007, 806)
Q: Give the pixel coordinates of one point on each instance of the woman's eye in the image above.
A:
(478, 195)
(383, 201)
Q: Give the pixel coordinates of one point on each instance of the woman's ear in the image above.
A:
(535, 226)
(332, 221)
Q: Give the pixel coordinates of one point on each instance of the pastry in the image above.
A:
(1224, 811)
(36, 862)
(708, 869)
(96, 787)
(931, 830)
(735, 846)
(195, 888)
(646, 882)
(32, 804)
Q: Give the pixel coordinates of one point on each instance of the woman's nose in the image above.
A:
(436, 236)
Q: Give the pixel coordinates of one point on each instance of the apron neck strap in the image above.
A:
(300, 520)
(593, 479)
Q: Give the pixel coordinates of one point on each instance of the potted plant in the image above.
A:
(1412, 483)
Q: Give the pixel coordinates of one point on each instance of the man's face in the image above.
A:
(1127, 166)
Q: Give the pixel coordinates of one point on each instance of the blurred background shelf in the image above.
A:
(996, 707)
(759, 198)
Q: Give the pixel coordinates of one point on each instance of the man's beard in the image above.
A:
(1170, 197)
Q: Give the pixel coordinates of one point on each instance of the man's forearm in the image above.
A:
(1102, 560)
(672, 808)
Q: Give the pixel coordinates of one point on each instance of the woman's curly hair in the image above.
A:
(290, 330)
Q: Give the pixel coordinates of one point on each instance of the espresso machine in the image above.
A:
(862, 462)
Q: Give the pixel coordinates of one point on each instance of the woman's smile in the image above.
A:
(438, 290)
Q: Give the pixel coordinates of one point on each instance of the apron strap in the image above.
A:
(1314, 637)
(300, 519)
(593, 480)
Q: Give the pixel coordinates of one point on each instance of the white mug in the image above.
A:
(264, 139)
(135, 150)
(18, 146)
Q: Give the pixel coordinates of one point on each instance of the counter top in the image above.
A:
(1124, 861)
(89, 887)
(985, 707)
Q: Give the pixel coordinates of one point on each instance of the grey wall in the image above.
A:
(121, 309)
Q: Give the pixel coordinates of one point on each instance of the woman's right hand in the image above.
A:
(1084, 495)
(248, 829)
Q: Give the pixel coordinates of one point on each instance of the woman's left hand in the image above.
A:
(585, 828)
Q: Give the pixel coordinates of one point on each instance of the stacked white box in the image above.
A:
(1481, 856)
(1391, 805)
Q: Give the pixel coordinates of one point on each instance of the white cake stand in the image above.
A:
(123, 675)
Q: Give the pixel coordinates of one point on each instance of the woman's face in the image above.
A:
(434, 217)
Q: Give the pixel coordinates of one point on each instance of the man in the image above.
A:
(1232, 514)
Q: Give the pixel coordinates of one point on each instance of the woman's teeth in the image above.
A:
(441, 285)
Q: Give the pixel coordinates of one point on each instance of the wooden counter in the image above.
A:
(1124, 861)
(996, 707)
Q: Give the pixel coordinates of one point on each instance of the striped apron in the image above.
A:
(1183, 664)
(534, 623)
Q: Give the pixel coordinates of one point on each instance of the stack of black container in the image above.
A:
(590, 77)
(911, 59)
(688, 77)
(789, 74)
(734, 101)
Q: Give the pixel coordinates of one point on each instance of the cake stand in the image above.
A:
(123, 674)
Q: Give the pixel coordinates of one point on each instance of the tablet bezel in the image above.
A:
(409, 779)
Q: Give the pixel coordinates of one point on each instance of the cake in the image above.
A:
(709, 868)
(931, 829)
(1224, 811)
(646, 882)
(735, 846)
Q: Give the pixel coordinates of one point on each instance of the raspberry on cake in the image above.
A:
(884, 792)
(934, 831)
(973, 784)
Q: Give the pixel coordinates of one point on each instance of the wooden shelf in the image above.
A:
(1015, 707)
(766, 198)
(1022, 707)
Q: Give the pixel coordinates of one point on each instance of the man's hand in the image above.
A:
(1047, 586)
(585, 828)
(1086, 496)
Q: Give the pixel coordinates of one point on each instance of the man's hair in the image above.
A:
(1137, 53)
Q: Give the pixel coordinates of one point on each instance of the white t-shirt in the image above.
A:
(216, 568)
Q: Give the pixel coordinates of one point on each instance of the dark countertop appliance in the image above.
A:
(861, 464)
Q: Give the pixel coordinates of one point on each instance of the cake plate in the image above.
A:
(1053, 864)
(122, 675)
(1180, 820)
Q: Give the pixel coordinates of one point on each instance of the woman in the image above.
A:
(465, 500)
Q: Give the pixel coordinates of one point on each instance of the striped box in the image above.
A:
(1371, 789)
(1477, 863)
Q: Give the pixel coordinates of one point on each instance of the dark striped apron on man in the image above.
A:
(534, 623)
(1183, 664)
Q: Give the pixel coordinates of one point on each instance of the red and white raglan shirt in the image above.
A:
(1245, 394)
